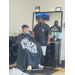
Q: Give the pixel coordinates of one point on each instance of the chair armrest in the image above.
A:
(14, 45)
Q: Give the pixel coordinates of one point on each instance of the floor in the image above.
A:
(60, 72)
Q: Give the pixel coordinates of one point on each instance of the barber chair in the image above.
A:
(15, 49)
(12, 51)
(14, 46)
(11, 61)
(9, 48)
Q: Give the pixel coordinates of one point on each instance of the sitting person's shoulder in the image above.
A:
(19, 35)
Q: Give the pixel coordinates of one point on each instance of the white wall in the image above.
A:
(20, 12)
(46, 5)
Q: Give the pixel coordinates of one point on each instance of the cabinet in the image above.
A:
(52, 57)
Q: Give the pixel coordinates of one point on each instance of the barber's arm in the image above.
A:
(34, 30)
(48, 35)
(48, 41)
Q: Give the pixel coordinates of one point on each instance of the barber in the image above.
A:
(42, 32)
(55, 27)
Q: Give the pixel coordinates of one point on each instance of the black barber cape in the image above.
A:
(29, 51)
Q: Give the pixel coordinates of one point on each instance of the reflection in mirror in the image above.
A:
(54, 21)
(56, 27)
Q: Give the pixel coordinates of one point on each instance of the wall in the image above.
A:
(20, 12)
(46, 5)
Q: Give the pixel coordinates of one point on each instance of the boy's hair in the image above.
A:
(24, 26)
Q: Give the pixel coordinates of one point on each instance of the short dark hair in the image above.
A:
(39, 17)
(24, 26)
(55, 21)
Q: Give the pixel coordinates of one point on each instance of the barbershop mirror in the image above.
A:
(50, 18)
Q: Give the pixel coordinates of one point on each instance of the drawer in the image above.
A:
(48, 63)
(48, 52)
(49, 58)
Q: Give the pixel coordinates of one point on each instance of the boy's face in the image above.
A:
(25, 30)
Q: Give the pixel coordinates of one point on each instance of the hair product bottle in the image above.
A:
(13, 33)
(58, 35)
(16, 33)
(55, 36)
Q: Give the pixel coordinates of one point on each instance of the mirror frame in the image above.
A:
(48, 12)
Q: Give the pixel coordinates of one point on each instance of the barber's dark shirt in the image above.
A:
(41, 33)
(55, 28)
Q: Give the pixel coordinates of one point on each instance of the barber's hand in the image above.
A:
(48, 42)
(33, 33)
